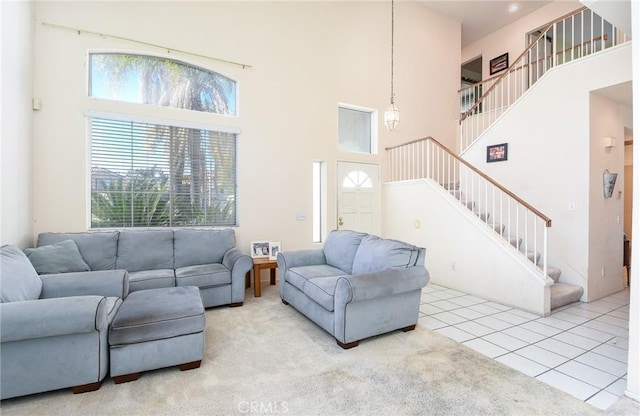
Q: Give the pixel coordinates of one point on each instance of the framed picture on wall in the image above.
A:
(259, 249)
(274, 249)
(499, 63)
(497, 152)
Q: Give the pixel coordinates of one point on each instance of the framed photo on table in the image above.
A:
(274, 249)
(259, 249)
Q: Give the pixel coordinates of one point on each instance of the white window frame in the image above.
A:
(374, 126)
(319, 201)
(153, 114)
(150, 120)
(169, 56)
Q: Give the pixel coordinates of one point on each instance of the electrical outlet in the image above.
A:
(453, 266)
(301, 216)
(603, 272)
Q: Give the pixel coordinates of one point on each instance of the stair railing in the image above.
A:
(518, 222)
(572, 36)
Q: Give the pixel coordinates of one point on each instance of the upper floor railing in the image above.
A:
(567, 38)
(522, 225)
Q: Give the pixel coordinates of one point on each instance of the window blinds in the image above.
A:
(157, 175)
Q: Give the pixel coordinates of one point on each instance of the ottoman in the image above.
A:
(157, 328)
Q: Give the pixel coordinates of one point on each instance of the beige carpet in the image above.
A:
(266, 358)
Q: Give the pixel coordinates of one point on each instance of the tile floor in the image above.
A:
(580, 349)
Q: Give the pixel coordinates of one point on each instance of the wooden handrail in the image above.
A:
(604, 37)
(531, 45)
(424, 139)
(484, 81)
(546, 219)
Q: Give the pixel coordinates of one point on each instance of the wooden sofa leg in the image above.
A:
(126, 378)
(189, 366)
(86, 387)
(408, 328)
(348, 344)
(285, 302)
(235, 304)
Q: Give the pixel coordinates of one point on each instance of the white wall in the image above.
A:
(306, 58)
(605, 214)
(16, 57)
(549, 165)
(461, 251)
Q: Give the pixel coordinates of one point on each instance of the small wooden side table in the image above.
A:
(260, 264)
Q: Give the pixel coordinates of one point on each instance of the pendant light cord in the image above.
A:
(392, 20)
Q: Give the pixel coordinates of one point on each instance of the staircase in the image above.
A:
(514, 224)
(560, 293)
(570, 37)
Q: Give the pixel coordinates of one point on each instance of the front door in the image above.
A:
(358, 197)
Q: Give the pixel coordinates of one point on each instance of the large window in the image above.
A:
(155, 175)
(158, 173)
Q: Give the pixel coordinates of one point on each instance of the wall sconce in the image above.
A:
(609, 182)
(609, 142)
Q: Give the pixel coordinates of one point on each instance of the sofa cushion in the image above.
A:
(203, 275)
(202, 246)
(158, 314)
(62, 257)
(151, 279)
(340, 248)
(322, 290)
(145, 250)
(98, 249)
(298, 276)
(18, 279)
(376, 254)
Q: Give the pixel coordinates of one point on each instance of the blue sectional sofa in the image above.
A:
(207, 259)
(59, 304)
(356, 286)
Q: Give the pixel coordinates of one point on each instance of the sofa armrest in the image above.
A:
(239, 264)
(356, 288)
(235, 258)
(52, 317)
(114, 283)
(297, 258)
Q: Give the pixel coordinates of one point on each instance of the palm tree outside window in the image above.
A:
(169, 175)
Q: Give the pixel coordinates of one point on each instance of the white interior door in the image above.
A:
(358, 197)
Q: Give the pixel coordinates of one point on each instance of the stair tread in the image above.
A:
(499, 228)
(451, 185)
(531, 255)
(564, 294)
(484, 216)
(554, 273)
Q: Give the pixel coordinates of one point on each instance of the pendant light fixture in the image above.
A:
(392, 115)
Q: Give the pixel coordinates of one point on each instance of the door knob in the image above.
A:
(340, 221)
